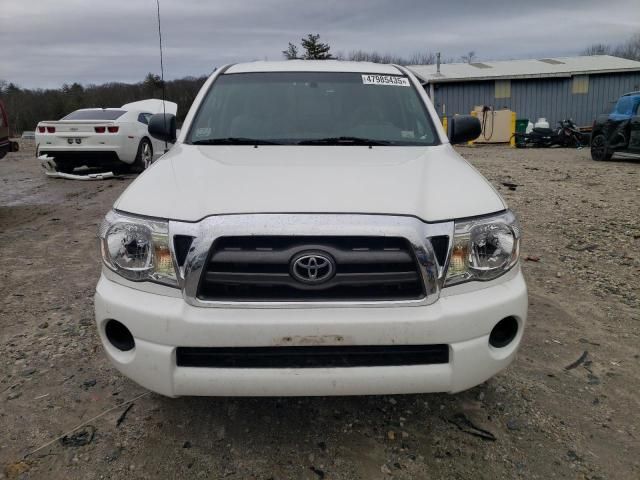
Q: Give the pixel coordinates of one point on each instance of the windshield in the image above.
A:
(97, 114)
(312, 108)
(625, 105)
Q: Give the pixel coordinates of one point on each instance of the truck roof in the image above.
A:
(314, 66)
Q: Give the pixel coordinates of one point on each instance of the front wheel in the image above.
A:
(599, 149)
(144, 157)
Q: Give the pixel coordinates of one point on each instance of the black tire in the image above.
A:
(520, 139)
(144, 157)
(122, 169)
(64, 167)
(599, 149)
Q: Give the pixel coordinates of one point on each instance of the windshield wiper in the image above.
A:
(234, 141)
(345, 141)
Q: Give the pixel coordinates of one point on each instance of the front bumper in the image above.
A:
(162, 323)
(81, 157)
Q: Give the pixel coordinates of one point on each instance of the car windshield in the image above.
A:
(312, 108)
(626, 105)
(94, 114)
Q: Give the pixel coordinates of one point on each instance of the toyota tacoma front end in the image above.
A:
(312, 232)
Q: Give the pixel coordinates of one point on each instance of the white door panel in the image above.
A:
(130, 129)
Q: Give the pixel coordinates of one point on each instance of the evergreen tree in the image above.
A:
(314, 49)
(153, 83)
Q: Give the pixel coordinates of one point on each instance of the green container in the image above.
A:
(521, 125)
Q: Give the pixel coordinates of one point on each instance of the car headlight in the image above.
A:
(137, 248)
(483, 248)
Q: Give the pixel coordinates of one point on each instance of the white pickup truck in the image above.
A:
(311, 232)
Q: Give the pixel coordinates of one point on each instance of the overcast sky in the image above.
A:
(45, 43)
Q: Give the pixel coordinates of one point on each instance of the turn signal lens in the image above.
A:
(51, 129)
(458, 263)
(41, 129)
(99, 129)
(163, 260)
(113, 129)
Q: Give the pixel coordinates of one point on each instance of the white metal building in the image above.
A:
(555, 88)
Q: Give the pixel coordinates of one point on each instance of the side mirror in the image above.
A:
(464, 128)
(163, 127)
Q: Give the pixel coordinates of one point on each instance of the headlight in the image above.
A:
(137, 248)
(483, 248)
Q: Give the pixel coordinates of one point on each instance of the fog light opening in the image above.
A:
(504, 332)
(119, 336)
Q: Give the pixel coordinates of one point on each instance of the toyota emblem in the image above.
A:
(313, 267)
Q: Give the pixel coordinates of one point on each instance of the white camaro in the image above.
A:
(115, 138)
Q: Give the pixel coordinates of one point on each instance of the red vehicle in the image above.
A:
(5, 144)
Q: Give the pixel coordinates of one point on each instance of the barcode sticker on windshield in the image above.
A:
(385, 80)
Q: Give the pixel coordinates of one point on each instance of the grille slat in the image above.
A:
(311, 356)
(283, 256)
(257, 268)
(286, 279)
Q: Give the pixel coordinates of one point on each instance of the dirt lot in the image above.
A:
(580, 257)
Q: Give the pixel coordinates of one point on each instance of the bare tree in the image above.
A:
(597, 49)
(422, 58)
(419, 58)
(629, 49)
(470, 57)
(291, 53)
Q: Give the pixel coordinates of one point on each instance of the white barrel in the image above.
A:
(542, 123)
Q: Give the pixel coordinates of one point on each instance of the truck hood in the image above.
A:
(192, 182)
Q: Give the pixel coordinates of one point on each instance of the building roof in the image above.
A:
(314, 66)
(533, 68)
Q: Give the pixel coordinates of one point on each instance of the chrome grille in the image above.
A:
(258, 269)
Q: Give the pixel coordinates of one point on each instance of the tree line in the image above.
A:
(314, 49)
(27, 107)
(629, 49)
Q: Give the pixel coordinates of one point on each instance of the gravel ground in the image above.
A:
(580, 257)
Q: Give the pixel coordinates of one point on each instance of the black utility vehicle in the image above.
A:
(6, 145)
(618, 131)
